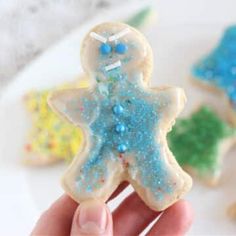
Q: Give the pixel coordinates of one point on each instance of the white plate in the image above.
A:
(182, 34)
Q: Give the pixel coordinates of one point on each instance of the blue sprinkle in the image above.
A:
(121, 148)
(118, 109)
(121, 48)
(105, 49)
(120, 128)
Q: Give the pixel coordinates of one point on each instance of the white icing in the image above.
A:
(113, 65)
(119, 35)
(98, 37)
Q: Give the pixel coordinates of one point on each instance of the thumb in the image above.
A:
(92, 218)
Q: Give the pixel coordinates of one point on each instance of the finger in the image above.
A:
(176, 220)
(94, 213)
(134, 215)
(57, 219)
(92, 218)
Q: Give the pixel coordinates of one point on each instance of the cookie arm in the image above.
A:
(75, 105)
(171, 101)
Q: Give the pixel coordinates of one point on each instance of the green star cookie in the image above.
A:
(199, 143)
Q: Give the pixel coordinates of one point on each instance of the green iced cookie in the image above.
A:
(199, 142)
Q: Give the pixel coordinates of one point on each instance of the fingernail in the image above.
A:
(92, 217)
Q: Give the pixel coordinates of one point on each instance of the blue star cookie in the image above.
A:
(218, 68)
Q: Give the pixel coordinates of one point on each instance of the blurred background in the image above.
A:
(23, 31)
(39, 52)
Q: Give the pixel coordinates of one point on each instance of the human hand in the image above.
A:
(132, 216)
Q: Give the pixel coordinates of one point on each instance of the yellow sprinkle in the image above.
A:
(50, 135)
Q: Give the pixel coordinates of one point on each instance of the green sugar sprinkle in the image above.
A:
(195, 141)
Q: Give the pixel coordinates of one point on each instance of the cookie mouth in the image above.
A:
(113, 66)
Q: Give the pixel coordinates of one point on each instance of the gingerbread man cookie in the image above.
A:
(218, 69)
(124, 122)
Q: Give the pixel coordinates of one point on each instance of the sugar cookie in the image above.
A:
(218, 69)
(200, 142)
(50, 138)
(124, 122)
(232, 211)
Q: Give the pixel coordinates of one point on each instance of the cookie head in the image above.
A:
(115, 48)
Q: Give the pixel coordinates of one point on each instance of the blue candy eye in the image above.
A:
(105, 49)
(121, 48)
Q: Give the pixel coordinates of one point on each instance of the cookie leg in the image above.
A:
(159, 182)
(95, 175)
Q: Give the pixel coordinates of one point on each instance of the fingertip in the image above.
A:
(183, 211)
(65, 200)
(176, 220)
(92, 218)
(134, 211)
